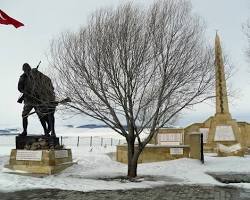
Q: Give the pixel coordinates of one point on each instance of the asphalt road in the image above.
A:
(168, 192)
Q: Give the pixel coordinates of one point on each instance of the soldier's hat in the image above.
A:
(26, 67)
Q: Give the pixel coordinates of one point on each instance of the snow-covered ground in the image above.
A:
(94, 165)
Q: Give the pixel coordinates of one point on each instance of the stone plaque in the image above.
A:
(29, 155)
(61, 154)
(235, 147)
(170, 138)
(229, 149)
(204, 131)
(176, 151)
(224, 133)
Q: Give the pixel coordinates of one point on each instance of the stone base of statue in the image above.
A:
(39, 155)
(34, 142)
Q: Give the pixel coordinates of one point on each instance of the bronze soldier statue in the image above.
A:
(38, 93)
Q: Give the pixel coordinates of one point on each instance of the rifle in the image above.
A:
(52, 104)
(38, 64)
(21, 98)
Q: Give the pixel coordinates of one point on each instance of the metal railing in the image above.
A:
(90, 141)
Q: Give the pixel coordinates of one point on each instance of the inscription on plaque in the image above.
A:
(29, 155)
(170, 138)
(176, 151)
(224, 133)
(61, 154)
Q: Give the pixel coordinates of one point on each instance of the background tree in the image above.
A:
(133, 66)
(247, 33)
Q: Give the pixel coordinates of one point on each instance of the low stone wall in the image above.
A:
(154, 153)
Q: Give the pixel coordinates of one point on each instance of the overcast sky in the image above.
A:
(45, 19)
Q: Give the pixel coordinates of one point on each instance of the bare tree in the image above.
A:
(135, 66)
(246, 30)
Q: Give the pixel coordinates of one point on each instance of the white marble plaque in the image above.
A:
(229, 149)
(204, 131)
(29, 155)
(176, 151)
(235, 147)
(61, 154)
(166, 138)
(224, 133)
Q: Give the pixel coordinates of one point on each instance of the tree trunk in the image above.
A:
(132, 159)
(132, 168)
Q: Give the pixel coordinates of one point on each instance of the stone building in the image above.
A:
(220, 131)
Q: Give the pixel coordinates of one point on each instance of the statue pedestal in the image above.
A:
(39, 155)
(22, 141)
(40, 161)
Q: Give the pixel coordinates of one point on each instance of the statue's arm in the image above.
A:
(21, 84)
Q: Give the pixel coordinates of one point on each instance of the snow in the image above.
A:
(84, 132)
(94, 165)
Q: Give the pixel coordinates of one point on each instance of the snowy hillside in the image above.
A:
(95, 166)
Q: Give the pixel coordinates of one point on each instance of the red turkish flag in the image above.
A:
(7, 20)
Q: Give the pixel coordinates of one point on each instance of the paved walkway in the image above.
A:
(170, 192)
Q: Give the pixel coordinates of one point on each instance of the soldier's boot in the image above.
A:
(25, 125)
(51, 125)
(53, 134)
(24, 133)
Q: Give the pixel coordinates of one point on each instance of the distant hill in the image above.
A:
(69, 126)
(92, 126)
(10, 131)
(4, 131)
